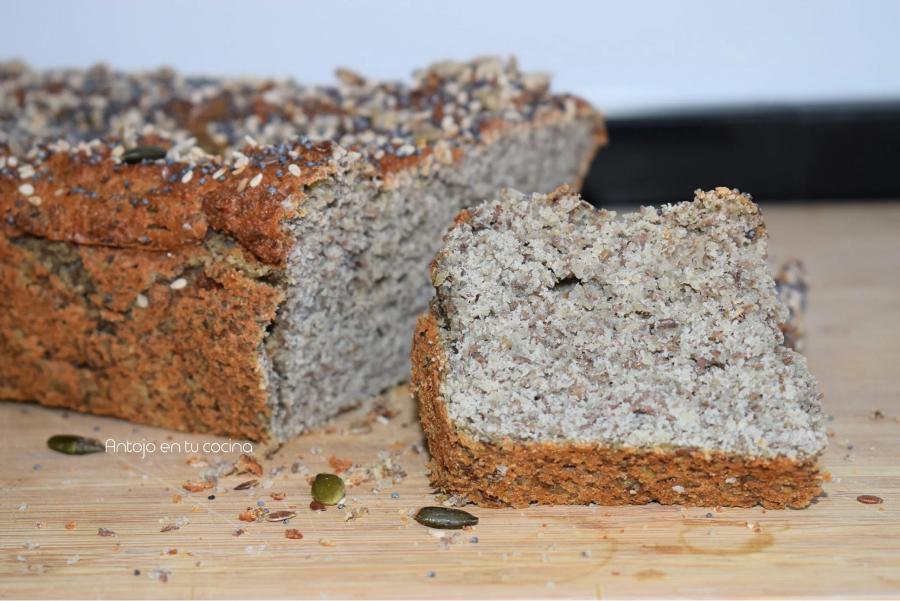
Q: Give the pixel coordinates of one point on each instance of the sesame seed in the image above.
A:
(35, 200)
(142, 302)
(219, 173)
(242, 185)
(187, 176)
(26, 189)
(294, 170)
(257, 180)
(178, 284)
(26, 171)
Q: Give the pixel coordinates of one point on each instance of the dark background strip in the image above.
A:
(826, 152)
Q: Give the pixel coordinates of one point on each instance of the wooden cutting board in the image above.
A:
(838, 547)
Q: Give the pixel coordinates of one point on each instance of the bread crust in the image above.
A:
(511, 473)
(187, 360)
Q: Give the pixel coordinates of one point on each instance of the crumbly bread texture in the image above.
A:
(265, 274)
(573, 356)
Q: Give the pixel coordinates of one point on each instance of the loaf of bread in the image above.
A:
(246, 258)
(573, 356)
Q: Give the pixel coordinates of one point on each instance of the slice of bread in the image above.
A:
(261, 269)
(573, 356)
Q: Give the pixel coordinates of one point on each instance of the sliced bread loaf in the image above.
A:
(573, 356)
(242, 257)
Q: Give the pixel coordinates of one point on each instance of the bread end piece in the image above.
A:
(510, 473)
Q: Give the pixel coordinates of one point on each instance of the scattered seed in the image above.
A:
(238, 532)
(869, 499)
(105, 532)
(877, 414)
(69, 444)
(178, 284)
(26, 189)
(445, 518)
(71, 525)
(143, 153)
(278, 496)
(197, 486)
(316, 506)
(136, 572)
(294, 170)
(293, 533)
(326, 542)
(248, 515)
(328, 489)
(187, 177)
(277, 516)
(257, 180)
(247, 464)
(246, 485)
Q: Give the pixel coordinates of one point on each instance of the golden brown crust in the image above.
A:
(513, 473)
(74, 335)
(76, 198)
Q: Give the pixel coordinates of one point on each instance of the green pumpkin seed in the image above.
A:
(143, 153)
(446, 518)
(74, 445)
(328, 489)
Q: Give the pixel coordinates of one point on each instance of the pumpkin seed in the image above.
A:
(143, 153)
(445, 517)
(70, 444)
(328, 489)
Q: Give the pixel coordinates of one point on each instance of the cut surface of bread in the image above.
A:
(246, 257)
(572, 356)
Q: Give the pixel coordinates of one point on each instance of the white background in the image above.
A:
(627, 57)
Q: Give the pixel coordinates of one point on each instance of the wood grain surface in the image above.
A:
(839, 547)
